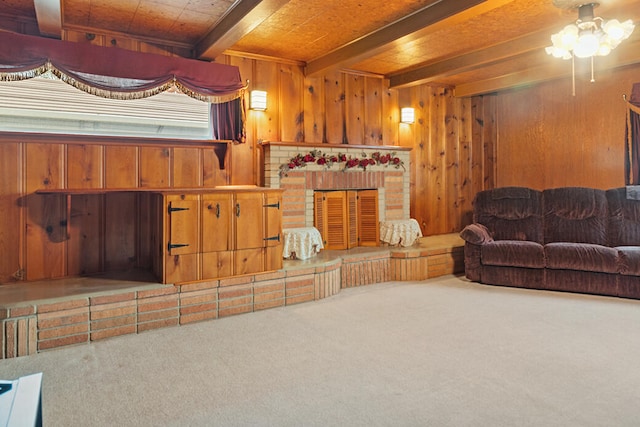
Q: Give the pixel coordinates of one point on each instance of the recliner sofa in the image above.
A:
(572, 239)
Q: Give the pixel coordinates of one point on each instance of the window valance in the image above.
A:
(112, 72)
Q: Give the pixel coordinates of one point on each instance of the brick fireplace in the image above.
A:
(391, 181)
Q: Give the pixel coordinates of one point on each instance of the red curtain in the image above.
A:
(111, 70)
(632, 147)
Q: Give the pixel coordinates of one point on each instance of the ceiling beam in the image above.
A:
(628, 53)
(49, 16)
(240, 21)
(470, 61)
(409, 28)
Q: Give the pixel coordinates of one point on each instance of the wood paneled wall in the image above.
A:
(548, 138)
(453, 157)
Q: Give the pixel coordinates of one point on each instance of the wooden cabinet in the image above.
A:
(214, 233)
(347, 218)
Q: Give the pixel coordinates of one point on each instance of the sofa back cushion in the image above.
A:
(624, 217)
(575, 215)
(510, 213)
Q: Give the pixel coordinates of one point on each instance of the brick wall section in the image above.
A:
(31, 328)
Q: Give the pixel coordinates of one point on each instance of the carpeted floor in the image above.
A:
(443, 352)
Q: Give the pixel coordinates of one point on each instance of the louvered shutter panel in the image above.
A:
(368, 227)
(352, 210)
(336, 208)
(320, 216)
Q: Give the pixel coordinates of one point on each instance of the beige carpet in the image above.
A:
(443, 352)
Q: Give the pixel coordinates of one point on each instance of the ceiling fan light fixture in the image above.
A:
(589, 36)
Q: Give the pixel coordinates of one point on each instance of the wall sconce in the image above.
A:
(407, 115)
(258, 100)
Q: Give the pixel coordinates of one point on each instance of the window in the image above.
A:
(48, 105)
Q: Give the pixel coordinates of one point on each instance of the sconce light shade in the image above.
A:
(407, 115)
(258, 100)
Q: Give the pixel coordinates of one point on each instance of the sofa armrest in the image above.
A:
(476, 234)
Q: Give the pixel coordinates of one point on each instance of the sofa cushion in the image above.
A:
(629, 260)
(510, 213)
(624, 217)
(581, 256)
(513, 253)
(576, 215)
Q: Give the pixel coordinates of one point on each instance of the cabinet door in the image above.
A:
(352, 218)
(249, 219)
(273, 214)
(183, 224)
(216, 222)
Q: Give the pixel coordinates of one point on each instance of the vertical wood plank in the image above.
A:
(84, 166)
(490, 137)
(120, 231)
(291, 103)
(155, 163)
(466, 179)
(354, 108)
(46, 231)
(452, 163)
(85, 248)
(334, 91)
(390, 116)
(373, 99)
(11, 202)
(187, 167)
(120, 166)
(212, 175)
(314, 114)
(241, 156)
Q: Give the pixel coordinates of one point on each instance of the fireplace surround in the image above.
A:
(391, 180)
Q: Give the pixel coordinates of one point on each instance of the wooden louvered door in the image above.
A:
(352, 219)
(331, 218)
(368, 226)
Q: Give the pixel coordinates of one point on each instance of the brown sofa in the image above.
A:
(566, 239)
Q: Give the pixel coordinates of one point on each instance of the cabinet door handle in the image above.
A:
(276, 238)
(217, 209)
(237, 209)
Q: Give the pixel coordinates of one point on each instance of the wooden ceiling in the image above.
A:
(474, 46)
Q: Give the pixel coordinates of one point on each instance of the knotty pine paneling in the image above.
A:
(314, 112)
(354, 108)
(84, 168)
(85, 248)
(291, 82)
(335, 120)
(121, 166)
(452, 155)
(186, 166)
(155, 166)
(12, 206)
(373, 94)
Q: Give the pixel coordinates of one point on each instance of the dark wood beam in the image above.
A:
(240, 21)
(49, 16)
(471, 61)
(399, 32)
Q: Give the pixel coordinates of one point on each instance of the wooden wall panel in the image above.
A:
(212, 175)
(290, 101)
(548, 138)
(155, 167)
(242, 157)
(84, 168)
(46, 230)
(121, 166)
(11, 210)
(186, 166)
(334, 92)
(121, 223)
(314, 112)
(373, 103)
(354, 109)
(85, 244)
(390, 116)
